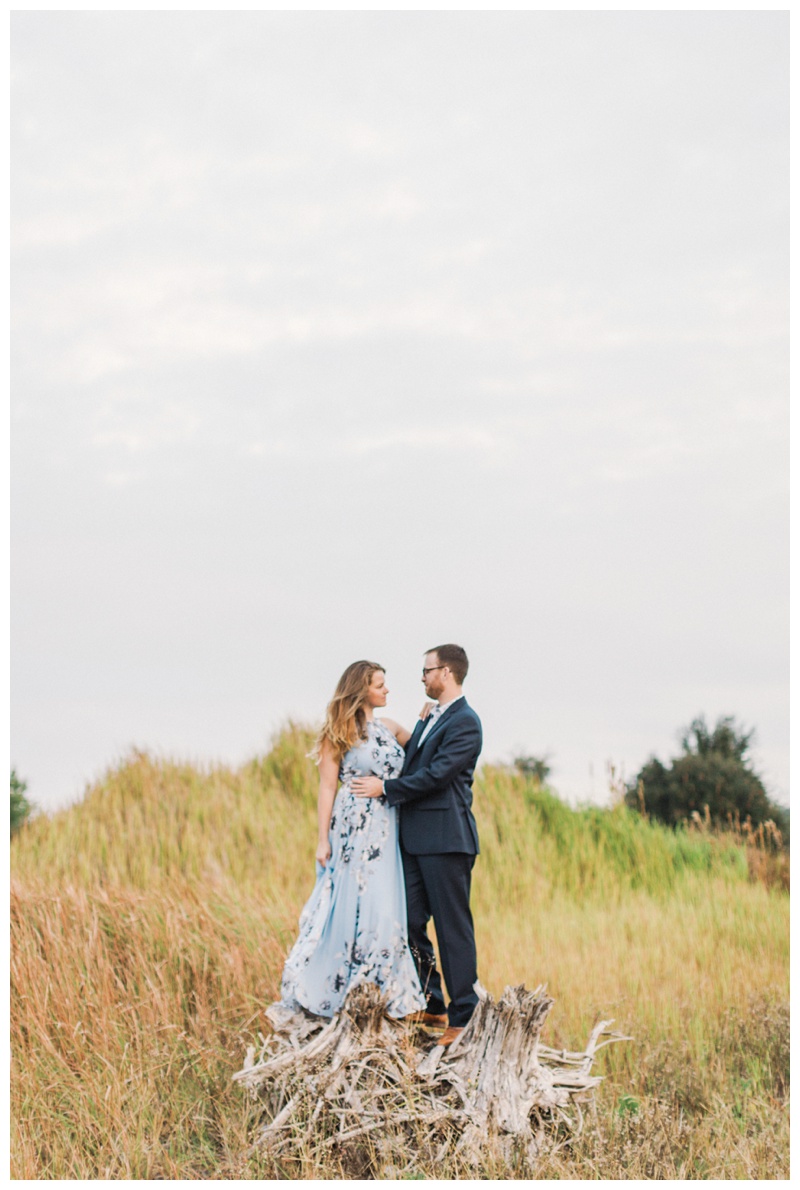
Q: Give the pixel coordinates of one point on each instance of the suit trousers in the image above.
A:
(438, 886)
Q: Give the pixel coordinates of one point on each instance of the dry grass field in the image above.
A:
(148, 929)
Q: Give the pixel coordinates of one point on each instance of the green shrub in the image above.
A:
(714, 771)
(21, 808)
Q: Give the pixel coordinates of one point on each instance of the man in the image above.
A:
(439, 838)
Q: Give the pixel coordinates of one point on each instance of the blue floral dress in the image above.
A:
(353, 927)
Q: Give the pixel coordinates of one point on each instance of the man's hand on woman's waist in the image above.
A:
(367, 786)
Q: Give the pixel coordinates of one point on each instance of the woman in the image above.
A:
(353, 928)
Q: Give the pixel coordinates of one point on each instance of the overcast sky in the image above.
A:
(342, 335)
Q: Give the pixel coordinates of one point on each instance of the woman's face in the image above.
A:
(378, 691)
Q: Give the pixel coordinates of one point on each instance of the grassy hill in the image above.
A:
(150, 922)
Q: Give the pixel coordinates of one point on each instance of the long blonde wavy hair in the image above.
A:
(345, 721)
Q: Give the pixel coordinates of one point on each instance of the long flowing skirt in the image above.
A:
(353, 927)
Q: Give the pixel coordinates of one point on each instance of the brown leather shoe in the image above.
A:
(432, 1019)
(451, 1034)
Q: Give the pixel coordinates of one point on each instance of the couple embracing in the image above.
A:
(397, 843)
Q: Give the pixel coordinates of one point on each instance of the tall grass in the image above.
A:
(149, 925)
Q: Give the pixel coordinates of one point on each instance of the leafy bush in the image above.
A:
(533, 766)
(21, 808)
(714, 771)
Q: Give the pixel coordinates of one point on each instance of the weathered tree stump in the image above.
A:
(497, 1089)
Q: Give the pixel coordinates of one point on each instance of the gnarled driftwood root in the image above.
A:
(362, 1078)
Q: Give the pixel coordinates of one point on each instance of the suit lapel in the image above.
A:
(411, 746)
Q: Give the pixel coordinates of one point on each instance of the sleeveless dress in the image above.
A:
(353, 927)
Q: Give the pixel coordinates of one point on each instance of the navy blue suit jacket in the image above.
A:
(434, 790)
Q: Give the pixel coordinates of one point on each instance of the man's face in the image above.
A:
(433, 675)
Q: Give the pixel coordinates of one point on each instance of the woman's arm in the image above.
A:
(328, 780)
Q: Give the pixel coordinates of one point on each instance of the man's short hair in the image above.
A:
(455, 658)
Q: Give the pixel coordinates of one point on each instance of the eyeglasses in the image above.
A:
(431, 668)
